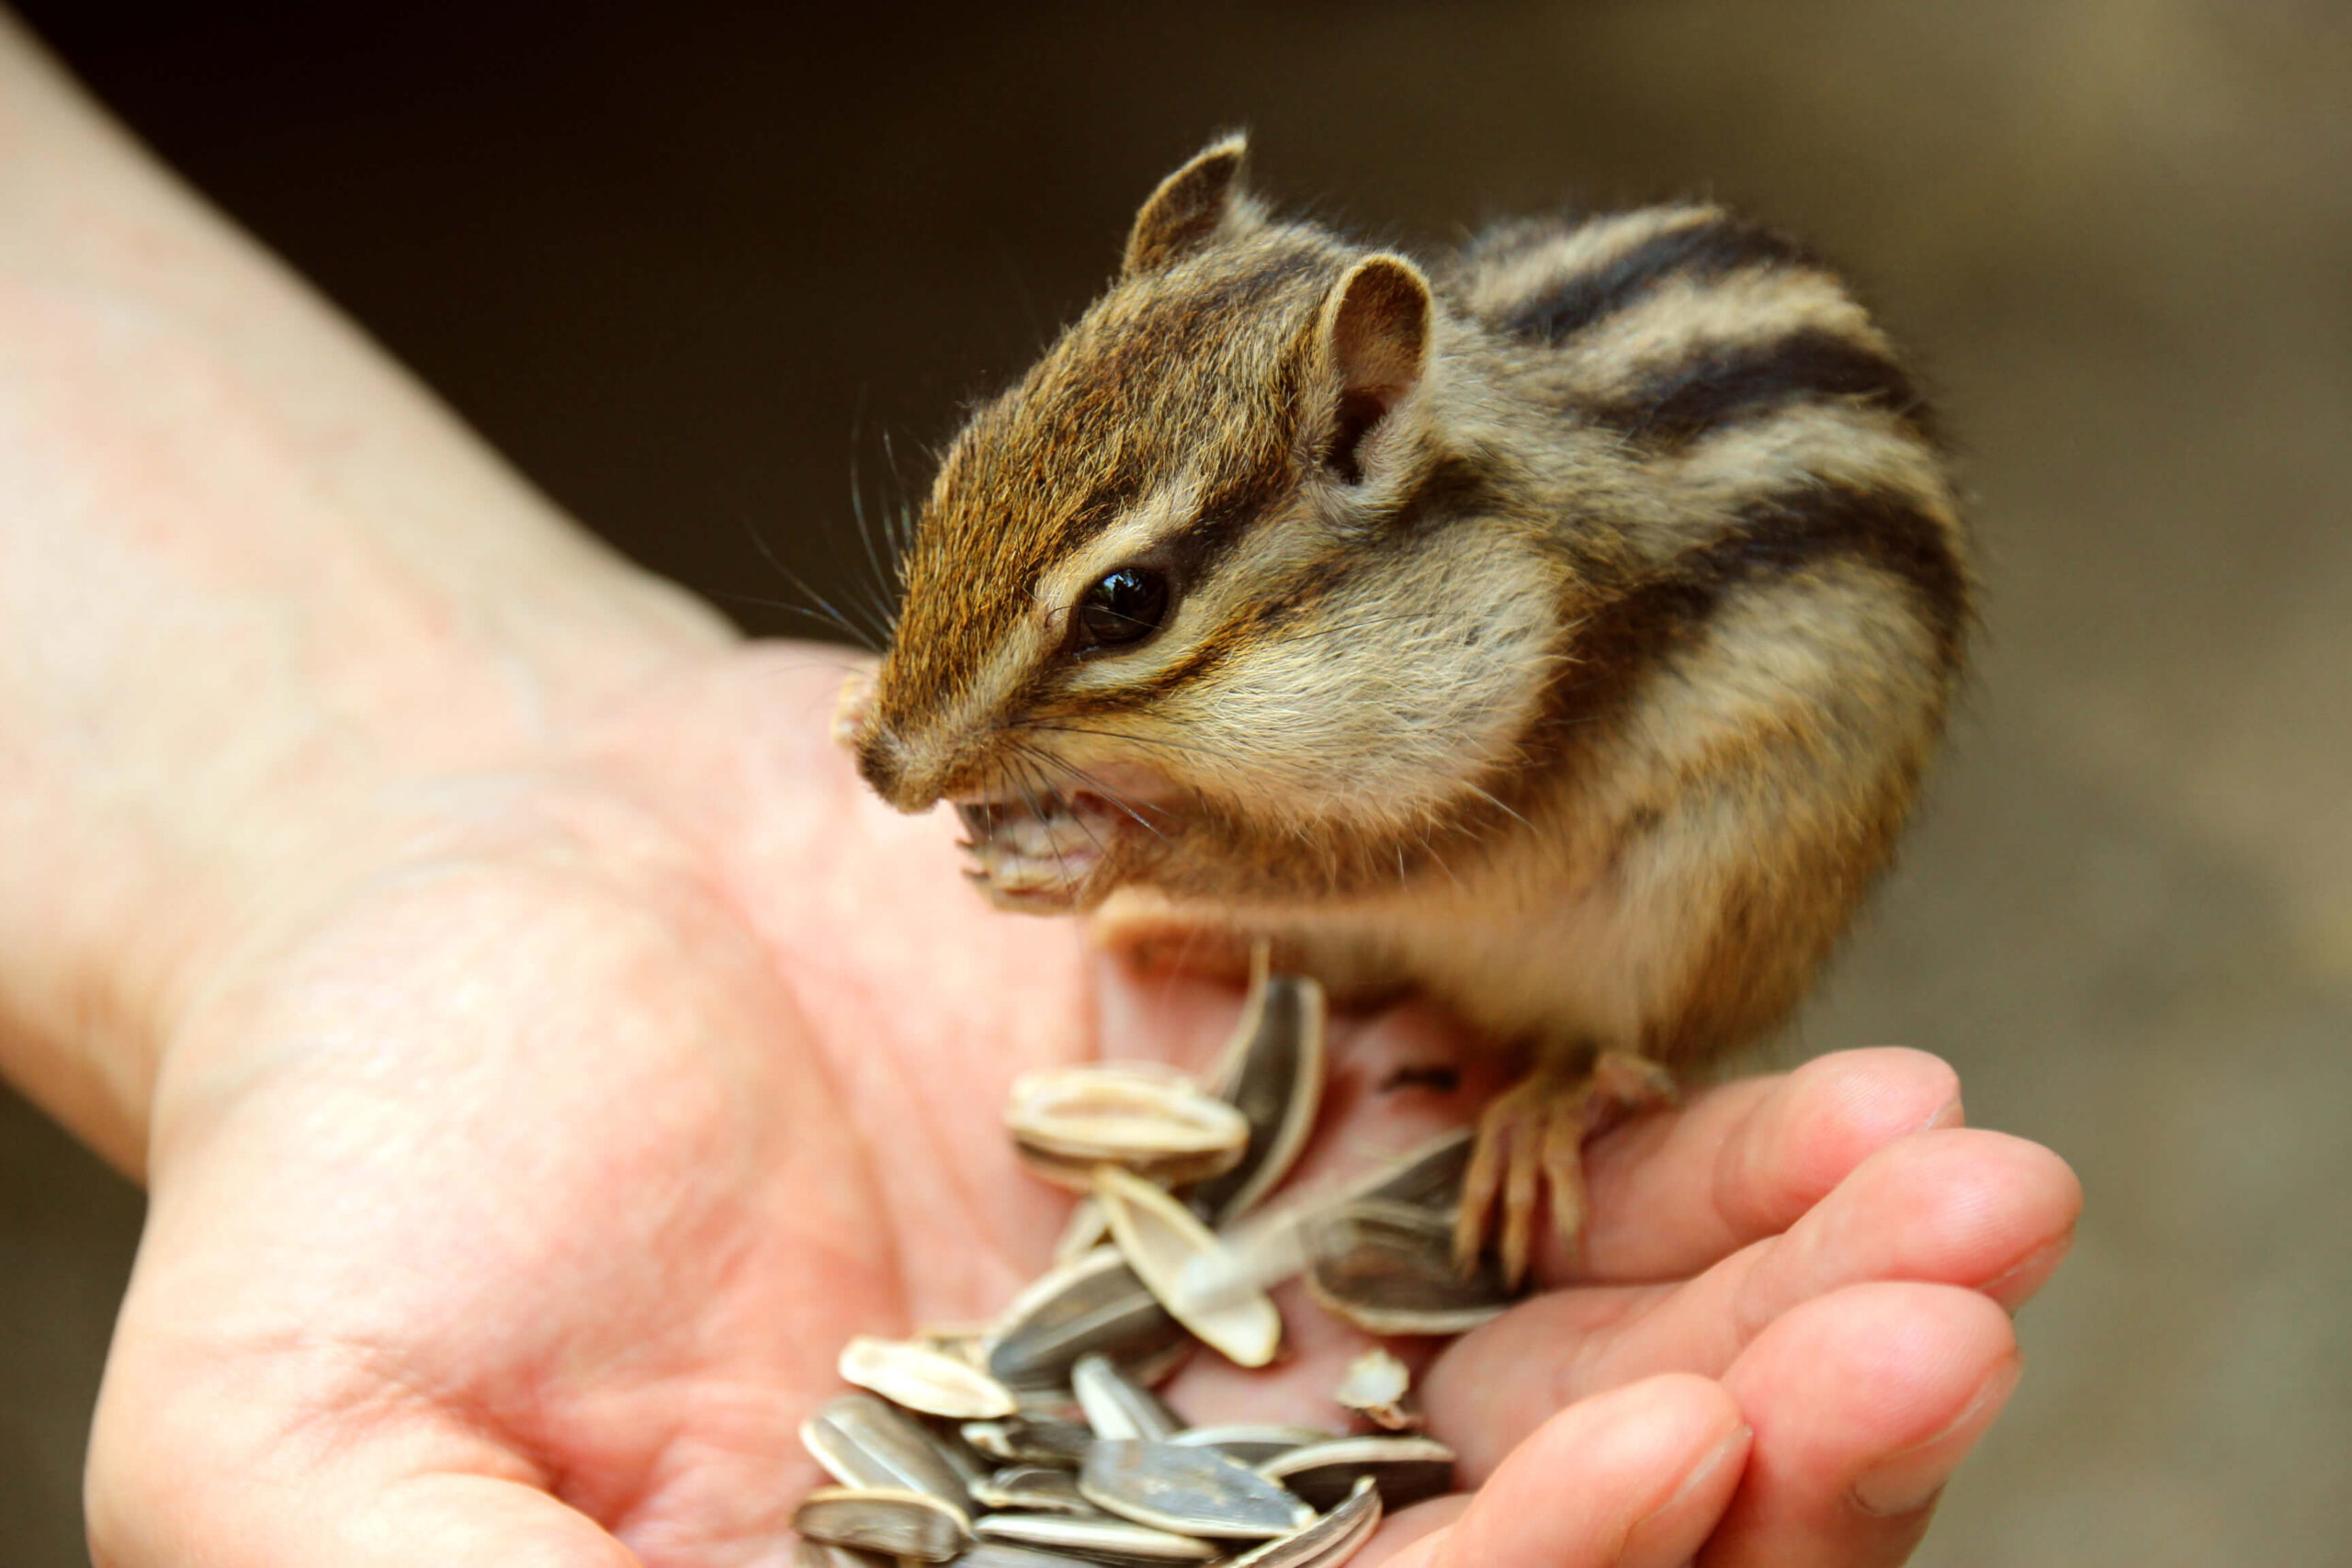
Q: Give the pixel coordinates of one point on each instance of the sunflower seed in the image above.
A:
(1251, 1444)
(970, 1466)
(1379, 1386)
(1042, 1404)
(1120, 1540)
(1032, 1488)
(1139, 1116)
(1004, 1554)
(1196, 1491)
(1405, 1470)
(1118, 1407)
(1429, 1176)
(920, 1378)
(825, 1554)
(895, 1523)
(865, 1444)
(1272, 1073)
(1388, 1268)
(1328, 1542)
(1094, 1304)
(1096, 1468)
(1024, 1440)
(1085, 1230)
(1157, 1235)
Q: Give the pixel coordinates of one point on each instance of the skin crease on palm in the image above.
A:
(542, 1054)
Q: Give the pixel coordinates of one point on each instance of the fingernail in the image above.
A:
(1906, 1481)
(1951, 1114)
(1638, 1546)
(1731, 1448)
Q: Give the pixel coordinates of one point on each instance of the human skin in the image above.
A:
(541, 1053)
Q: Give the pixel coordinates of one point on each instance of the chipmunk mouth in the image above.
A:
(1036, 850)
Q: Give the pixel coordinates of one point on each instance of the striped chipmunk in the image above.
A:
(1559, 632)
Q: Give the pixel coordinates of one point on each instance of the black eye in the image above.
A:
(1125, 607)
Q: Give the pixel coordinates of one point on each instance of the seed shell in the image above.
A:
(1159, 1236)
(1273, 1074)
(1328, 1542)
(1429, 1177)
(1252, 1443)
(825, 1554)
(1004, 1554)
(1405, 1470)
(865, 1444)
(1136, 1115)
(1118, 1407)
(1094, 1304)
(1026, 1439)
(1032, 1488)
(1388, 1268)
(1085, 1230)
(1380, 1387)
(895, 1523)
(1196, 1492)
(917, 1377)
(1121, 1540)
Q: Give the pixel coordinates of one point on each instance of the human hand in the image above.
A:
(543, 1055)
(514, 1187)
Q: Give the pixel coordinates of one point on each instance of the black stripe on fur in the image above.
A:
(1700, 250)
(1779, 536)
(1731, 382)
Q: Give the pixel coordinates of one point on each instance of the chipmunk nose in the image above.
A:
(879, 762)
(884, 761)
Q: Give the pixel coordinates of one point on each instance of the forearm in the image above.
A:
(251, 578)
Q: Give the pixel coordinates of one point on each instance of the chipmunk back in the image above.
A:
(1562, 632)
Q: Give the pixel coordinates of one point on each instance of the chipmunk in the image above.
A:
(1561, 632)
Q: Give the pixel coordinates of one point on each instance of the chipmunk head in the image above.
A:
(1176, 612)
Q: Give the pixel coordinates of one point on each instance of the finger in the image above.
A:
(1961, 1207)
(1863, 1403)
(1635, 1478)
(1670, 1193)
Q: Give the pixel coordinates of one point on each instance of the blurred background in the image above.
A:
(692, 266)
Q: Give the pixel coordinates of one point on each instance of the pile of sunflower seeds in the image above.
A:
(1037, 1442)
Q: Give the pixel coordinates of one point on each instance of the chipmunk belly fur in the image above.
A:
(1564, 635)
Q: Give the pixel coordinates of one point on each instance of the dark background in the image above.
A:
(690, 265)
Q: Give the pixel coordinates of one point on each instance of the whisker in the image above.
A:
(865, 527)
(832, 613)
(1087, 781)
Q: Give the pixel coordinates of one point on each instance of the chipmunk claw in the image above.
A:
(1531, 1138)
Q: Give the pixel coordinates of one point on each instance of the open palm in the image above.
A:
(516, 1185)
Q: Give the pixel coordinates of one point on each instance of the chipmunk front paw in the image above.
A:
(1532, 1137)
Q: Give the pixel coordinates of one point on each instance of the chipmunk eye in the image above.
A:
(1126, 606)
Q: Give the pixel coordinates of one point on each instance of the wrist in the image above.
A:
(256, 591)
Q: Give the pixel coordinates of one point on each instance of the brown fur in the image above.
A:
(1565, 637)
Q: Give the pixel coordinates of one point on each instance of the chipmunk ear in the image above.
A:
(1187, 208)
(1375, 342)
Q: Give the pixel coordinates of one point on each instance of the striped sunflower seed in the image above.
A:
(895, 1523)
(1194, 1492)
(1405, 1470)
